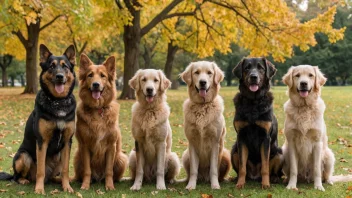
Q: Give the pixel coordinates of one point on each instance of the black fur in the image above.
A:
(255, 106)
(49, 108)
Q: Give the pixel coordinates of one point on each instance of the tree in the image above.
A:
(5, 62)
(263, 27)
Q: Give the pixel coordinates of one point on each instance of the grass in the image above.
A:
(15, 109)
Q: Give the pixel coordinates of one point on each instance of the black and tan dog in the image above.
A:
(45, 150)
(256, 153)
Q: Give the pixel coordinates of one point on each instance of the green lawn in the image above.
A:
(15, 108)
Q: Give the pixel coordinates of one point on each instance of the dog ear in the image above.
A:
(84, 62)
(70, 53)
(237, 71)
(218, 73)
(270, 68)
(44, 54)
(164, 82)
(110, 65)
(186, 76)
(320, 80)
(134, 81)
(287, 79)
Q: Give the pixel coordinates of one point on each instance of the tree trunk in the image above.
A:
(228, 75)
(147, 58)
(31, 58)
(12, 81)
(132, 39)
(22, 81)
(4, 77)
(171, 53)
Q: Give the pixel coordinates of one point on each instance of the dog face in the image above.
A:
(303, 79)
(97, 80)
(57, 71)
(254, 72)
(202, 76)
(150, 83)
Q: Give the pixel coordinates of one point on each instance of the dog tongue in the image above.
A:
(202, 93)
(303, 93)
(254, 88)
(149, 99)
(59, 88)
(96, 94)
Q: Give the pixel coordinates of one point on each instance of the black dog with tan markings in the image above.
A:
(256, 153)
(45, 150)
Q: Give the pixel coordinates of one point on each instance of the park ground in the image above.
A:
(15, 109)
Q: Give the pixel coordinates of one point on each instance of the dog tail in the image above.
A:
(5, 176)
(341, 178)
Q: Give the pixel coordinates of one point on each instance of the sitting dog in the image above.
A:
(45, 149)
(152, 157)
(256, 153)
(206, 158)
(99, 155)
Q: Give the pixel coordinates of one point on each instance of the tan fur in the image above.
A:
(265, 125)
(152, 158)
(306, 152)
(206, 158)
(99, 155)
(47, 79)
(239, 125)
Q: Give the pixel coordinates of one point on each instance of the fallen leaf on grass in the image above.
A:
(53, 192)
(270, 195)
(12, 155)
(2, 190)
(2, 146)
(99, 192)
(230, 195)
(9, 184)
(154, 192)
(79, 195)
(349, 188)
(21, 193)
(123, 196)
(343, 160)
(206, 196)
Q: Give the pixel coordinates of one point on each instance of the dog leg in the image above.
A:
(139, 169)
(317, 166)
(160, 173)
(109, 168)
(265, 153)
(243, 153)
(293, 163)
(214, 164)
(65, 158)
(194, 164)
(173, 167)
(329, 161)
(22, 166)
(87, 172)
(41, 156)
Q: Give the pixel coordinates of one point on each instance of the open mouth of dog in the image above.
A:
(303, 92)
(59, 87)
(96, 94)
(149, 98)
(253, 87)
(202, 91)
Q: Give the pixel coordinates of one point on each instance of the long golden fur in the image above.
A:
(99, 155)
(152, 157)
(206, 158)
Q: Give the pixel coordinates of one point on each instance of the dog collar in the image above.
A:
(101, 112)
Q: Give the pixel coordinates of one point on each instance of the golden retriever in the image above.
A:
(99, 155)
(152, 157)
(206, 158)
(306, 153)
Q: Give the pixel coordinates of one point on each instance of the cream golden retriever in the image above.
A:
(206, 158)
(152, 157)
(306, 153)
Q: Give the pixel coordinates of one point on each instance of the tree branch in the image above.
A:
(119, 5)
(160, 17)
(50, 22)
(20, 36)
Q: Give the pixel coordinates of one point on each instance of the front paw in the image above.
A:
(136, 187)
(291, 187)
(319, 187)
(240, 184)
(215, 186)
(330, 182)
(109, 187)
(67, 188)
(161, 186)
(265, 186)
(191, 186)
(85, 186)
(39, 191)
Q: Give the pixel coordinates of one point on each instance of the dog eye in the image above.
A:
(102, 75)
(90, 75)
(297, 75)
(209, 72)
(246, 68)
(311, 75)
(156, 80)
(197, 72)
(144, 79)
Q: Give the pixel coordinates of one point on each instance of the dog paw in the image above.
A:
(68, 188)
(161, 186)
(330, 182)
(240, 185)
(265, 186)
(109, 187)
(291, 187)
(319, 187)
(135, 187)
(23, 181)
(191, 186)
(215, 186)
(39, 191)
(85, 186)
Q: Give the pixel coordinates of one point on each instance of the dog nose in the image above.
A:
(96, 85)
(303, 84)
(59, 76)
(150, 90)
(254, 76)
(202, 82)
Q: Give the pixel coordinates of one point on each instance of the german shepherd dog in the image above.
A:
(99, 155)
(45, 149)
(256, 153)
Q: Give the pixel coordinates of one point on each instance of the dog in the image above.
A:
(99, 155)
(45, 150)
(152, 157)
(206, 157)
(306, 152)
(255, 153)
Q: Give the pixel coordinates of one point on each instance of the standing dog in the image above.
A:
(45, 149)
(206, 158)
(306, 152)
(256, 153)
(99, 154)
(152, 156)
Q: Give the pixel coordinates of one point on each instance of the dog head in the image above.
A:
(203, 79)
(149, 84)
(97, 82)
(304, 79)
(57, 77)
(254, 73)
